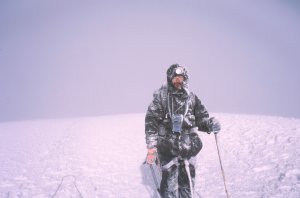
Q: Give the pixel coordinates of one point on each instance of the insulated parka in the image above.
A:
(158, 127)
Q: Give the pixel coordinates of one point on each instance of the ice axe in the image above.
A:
(155, 180)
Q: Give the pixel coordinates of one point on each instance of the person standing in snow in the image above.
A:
(171, 124)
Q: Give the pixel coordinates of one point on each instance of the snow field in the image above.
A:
(102, 157)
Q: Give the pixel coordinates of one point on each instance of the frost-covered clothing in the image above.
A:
(175, 181)
(158, 121)
(158, 128)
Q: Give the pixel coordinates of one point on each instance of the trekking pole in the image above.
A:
(224, 180)
(155, 180)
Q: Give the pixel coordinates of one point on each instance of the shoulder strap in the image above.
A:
(170, 104)
(164, 98)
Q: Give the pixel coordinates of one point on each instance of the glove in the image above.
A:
(151, 156)
(214, 125)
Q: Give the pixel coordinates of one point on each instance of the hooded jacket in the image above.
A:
(168, 100)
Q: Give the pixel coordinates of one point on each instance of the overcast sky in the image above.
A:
(88, 58)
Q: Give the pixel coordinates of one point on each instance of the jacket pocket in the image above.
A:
(190, 145)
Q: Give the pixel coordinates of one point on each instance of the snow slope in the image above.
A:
(102, 157)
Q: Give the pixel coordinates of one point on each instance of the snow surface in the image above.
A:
(102, 157)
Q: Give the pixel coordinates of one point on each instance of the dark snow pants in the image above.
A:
(175, 181)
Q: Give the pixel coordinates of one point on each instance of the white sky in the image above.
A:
(87, 58)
